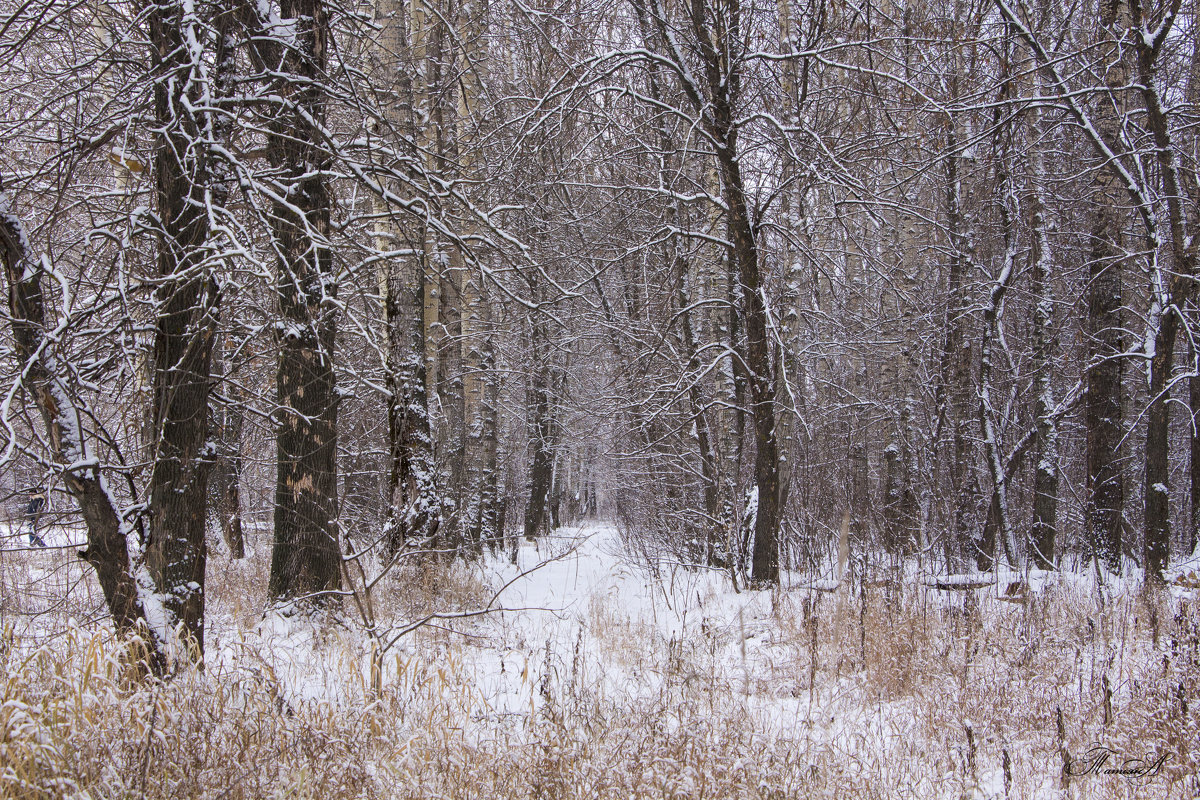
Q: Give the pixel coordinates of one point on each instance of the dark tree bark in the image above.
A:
(306, 559)
(107, 549)
(900, 509)
(540, 405)
(717, 40)
(955, 390)
(227, 473)
(1157, 475)
(185, 327)
(1104, 418)
(1169, 304)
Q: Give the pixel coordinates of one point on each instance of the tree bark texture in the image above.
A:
(186, 300)
(306, 558)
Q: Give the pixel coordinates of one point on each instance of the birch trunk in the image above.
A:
(413, 509)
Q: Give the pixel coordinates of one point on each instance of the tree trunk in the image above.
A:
(1170, 292)
(723, 81)
(541, 433)
(227, 471)
(1104, 420)
(185, 328)
(490, 525)
(1194, 452)
(414, 510)
(1045, 477)
(992, 316)
(62, 415)
(306, 558)
(955, 399)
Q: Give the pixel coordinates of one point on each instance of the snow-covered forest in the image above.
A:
(622, 398)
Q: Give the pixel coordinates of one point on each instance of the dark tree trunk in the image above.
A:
(1179, 287)
(765, 558)
(306, 559)
(1105, 499)
(107, 549)
(184, 331)
(541, 434)
(723, 85)
(1158, 519)
(1104, 502)
(899, 503)
(955, 392)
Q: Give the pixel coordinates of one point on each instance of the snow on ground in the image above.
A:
(580, 630)
(577, 591)
(576, 615)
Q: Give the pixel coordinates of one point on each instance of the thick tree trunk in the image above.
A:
(185, 328)
(1105, 499)
(306, 559)
(1104, 420)
(1158, 519)
(1170, 292)
(765, 558)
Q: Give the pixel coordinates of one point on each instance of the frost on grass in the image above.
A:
(612, 679)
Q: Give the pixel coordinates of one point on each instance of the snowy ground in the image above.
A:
(593, 675)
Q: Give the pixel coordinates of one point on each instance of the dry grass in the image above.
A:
(906, 693)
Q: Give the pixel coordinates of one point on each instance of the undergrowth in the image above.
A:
(887, 691)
